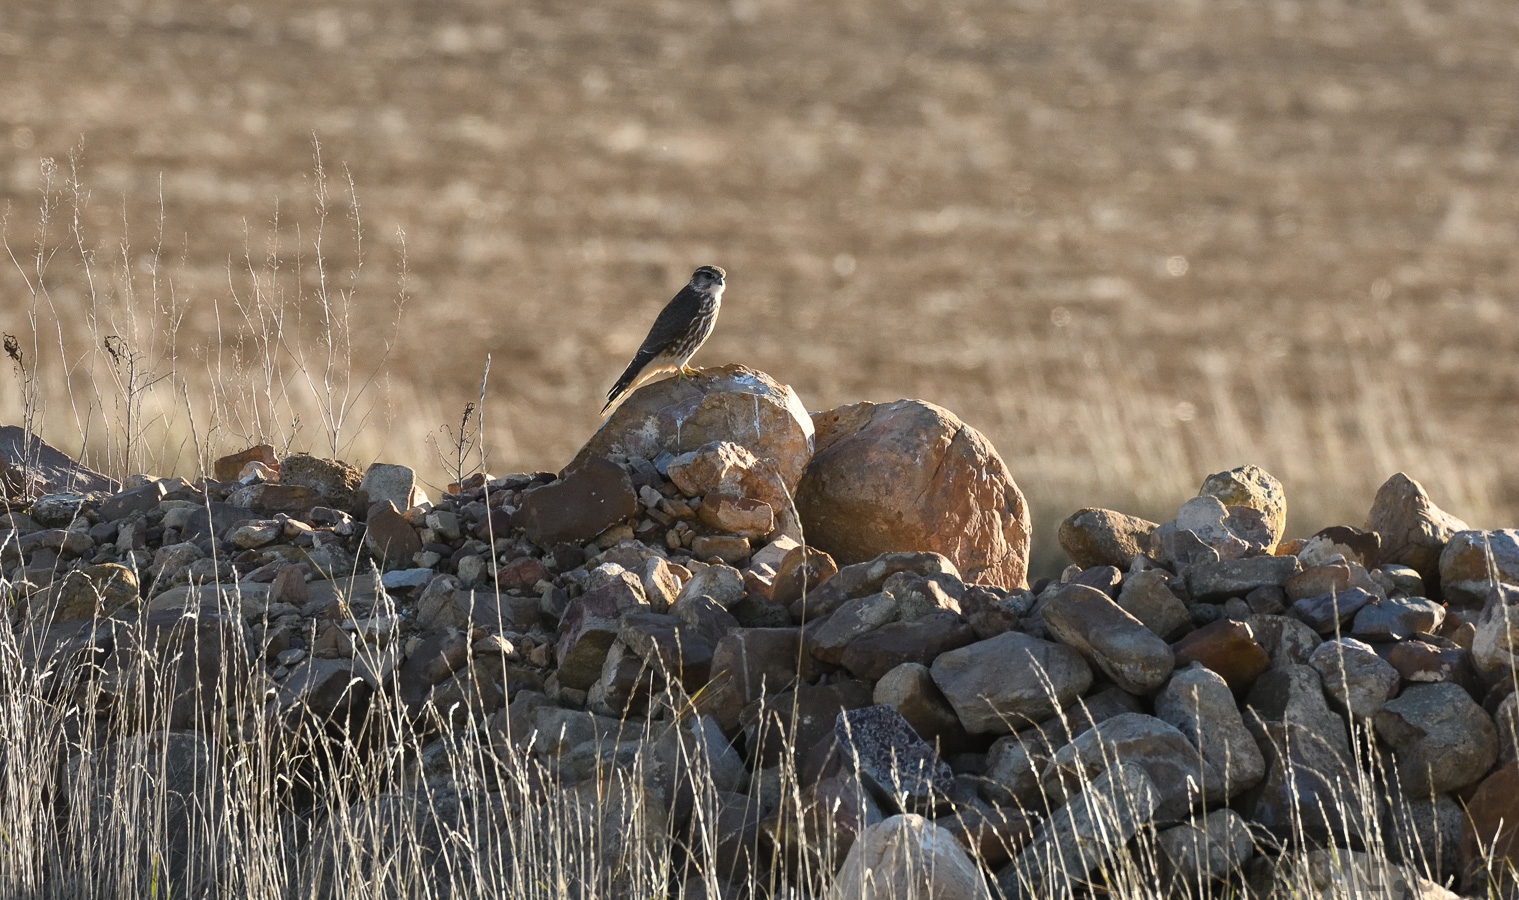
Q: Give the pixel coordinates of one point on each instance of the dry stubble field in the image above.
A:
(1132, 242)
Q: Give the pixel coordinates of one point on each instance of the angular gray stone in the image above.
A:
(893, 761)
(1331, 613)
(1354, 676)
(873, 654)
(1012, 678)
(1178, 774)
(1217, 581)
(138, 499)
(1211, 848)
(748, 663)
(395, 483)
(1288, 641)
(32, 466)
(1146, 596)
(855, 618)
(1198, 703)
(1396, 619)
(1442, 740)
(1102, 537)
(1308, 756)
(722, 583)
(589, 498)
(1082, 835)
(587, 629)
(860, 579)
(1413, 529)
(1120, 645)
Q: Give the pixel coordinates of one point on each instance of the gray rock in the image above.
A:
(1426, 831)
(1011, 678)
(1507, 722)
(907, 856)
(1083, 835)
(722, 583)
(1413, 529)
(1175, 769)
(910, 689)
(397, 484)
(690, 753)
(147, 801)
(1204, 850)
(588, 628)
(1336, 873)
(1308, 758)
(1441, 739)
(1330, 613)
(138, 499)
(1496, 633)
(1399, 581)
(1014, 765)
(1472, 559)
(1198, 703)
(1102, 537)
(746, 664)
(1354, 676)
(258, 533)
(1287, 640)
(1218, 581)
(1252, 487)
(1146, 596)
(591, 497)
(406, 579)
(895, 764)
(1179, 548)
(1396, 619)
(854, 618)
(1120, 645)
(921, 640)
(860, 579)
(1206, 530)
(990, 610)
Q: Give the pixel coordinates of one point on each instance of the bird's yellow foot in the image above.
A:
(687, 372)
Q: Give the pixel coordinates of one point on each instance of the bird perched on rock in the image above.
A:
(679, 331)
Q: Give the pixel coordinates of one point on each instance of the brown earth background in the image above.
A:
(1133, 243)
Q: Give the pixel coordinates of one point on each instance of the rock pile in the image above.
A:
(1206, 687)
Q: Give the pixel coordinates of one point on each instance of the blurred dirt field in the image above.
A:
(1132, 242)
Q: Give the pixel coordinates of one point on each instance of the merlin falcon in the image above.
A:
(679, 331)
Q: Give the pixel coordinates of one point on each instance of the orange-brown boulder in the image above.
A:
(731, 403)
(909, 476)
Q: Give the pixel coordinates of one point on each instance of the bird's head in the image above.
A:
(708, 278)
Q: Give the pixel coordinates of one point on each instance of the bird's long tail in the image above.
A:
(628, 379)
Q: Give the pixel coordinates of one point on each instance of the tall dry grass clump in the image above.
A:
(299, 358)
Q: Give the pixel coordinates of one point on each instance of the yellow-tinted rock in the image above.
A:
(1254, 487)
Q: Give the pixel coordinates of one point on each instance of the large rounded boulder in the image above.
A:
(732, 403)
(910, 475)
